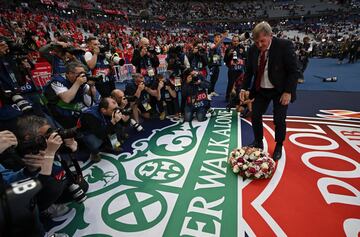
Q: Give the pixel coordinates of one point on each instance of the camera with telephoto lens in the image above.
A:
(135, 125)
(235, 57)
(32, 146)
(65, 133)
(11, 97)
(126, 111)
(77, 192)
(15, 48)
(195, 77)
(115, 58)
(103, 49)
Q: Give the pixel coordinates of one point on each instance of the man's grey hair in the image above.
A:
(262, 27)
(136, 75)
(70, 67)
(29, 125)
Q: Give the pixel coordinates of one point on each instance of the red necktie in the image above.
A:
(260, 71)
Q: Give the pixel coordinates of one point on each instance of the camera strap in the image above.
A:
(74, 178)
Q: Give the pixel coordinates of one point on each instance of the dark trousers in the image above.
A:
(260, 105)
(214, 76)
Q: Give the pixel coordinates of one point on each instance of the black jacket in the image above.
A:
(282, 67)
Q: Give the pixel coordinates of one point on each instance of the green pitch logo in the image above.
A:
(174, 183)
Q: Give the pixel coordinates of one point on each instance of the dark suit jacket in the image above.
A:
(282, 67)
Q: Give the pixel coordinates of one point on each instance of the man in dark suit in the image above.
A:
(272, 64)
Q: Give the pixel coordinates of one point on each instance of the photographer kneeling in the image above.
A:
(124, 105)
(142, 93)
(35, 166)
(36, 135)
(101, 125)
(67, 97)
(195, 96)
(166, 96)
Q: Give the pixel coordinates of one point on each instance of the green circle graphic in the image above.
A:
(135, 208)
(153, 170)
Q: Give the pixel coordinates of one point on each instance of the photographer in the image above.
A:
(177, 60)
(59, 53)
(145, 60)
(142, 93)
(195, 96)
(235, 61)
(303, 54)
(15, 84)
(215, 61)
(165, 93)
(100, 61)
(33, 164)
(67, 97)
(101, 125)
(124, 105)
(198, 59)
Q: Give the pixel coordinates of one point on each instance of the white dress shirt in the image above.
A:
(265, 82)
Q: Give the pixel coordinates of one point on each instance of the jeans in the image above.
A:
(190, 110)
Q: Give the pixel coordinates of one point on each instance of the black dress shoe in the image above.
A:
(277, 152)
(257, 144)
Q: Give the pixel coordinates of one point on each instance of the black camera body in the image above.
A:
(94, 78)
(68, 133)
(32, 146)
(18, 208)
(195, 78)
(126, 111)
(65, 133)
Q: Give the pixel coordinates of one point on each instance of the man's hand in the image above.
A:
(53, 144)
(34, 162)
(285, 98)
(71, 143)
(4, 48)
(125, 118)
(96, 50)
(188, 79)
(81, 79)
(7, 139)
(242, 96)
(161, 85)
(63, 44)
(116, 117)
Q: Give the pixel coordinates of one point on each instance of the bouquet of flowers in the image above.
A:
(251, 162)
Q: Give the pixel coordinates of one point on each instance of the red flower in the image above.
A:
(240, 159)
(252, 170)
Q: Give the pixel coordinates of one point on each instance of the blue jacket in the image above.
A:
(10, 176)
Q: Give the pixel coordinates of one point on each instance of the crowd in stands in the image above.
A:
(79, 50)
